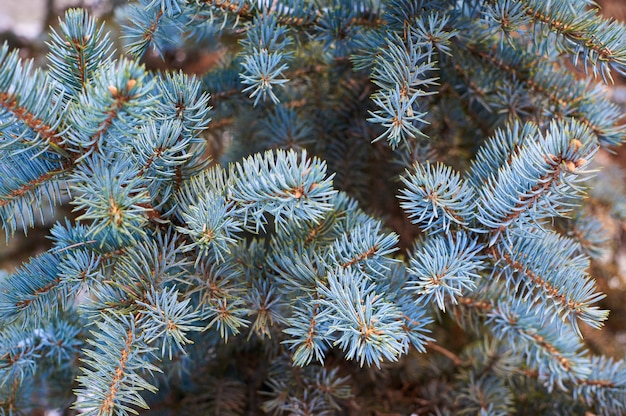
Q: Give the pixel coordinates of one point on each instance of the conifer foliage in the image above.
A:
(235, 247)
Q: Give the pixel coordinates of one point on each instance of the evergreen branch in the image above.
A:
(112, 384)
(294, 13)
(240, 8)
(436, 197)
(332, 386)
(491, 357)
(38, 108)
(210, 226)
(300, 276)
(485, 395)
(67, 237)
(167, 320)
(441, 269)
(30, 186)
(104, 111)
(314, 390)
(590, 233)
(598, 40)
(78, 270)
(111, 113)
(265, 301)
(19, 350)
(32, 294)
(521, 73)
(402, 13)
(23, 349)
(169, 7)
(590, 106)
(264, 70)
(181, 98)
(500, 150)
(483, 305)
(144, 21)
(166, 154)
(227, 314)
(283, 184)
(222, 123)
(400, 73)
(28, 182)
(113, 198)
(363, 248)
(267, 252)
(10, 403)
(214, 181)
(47, 132)
(539, 173)
(605, 388)
(505, 20)
(152, 263)
(77, 51)
(306, 328)
(223, 95)
(369, 328)
(569, 289)
(31, 110)
(397, 115)
(415, 320)
(551, 349)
